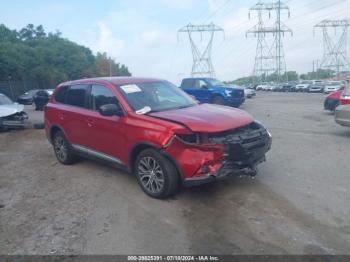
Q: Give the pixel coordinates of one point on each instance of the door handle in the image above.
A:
(89, 122)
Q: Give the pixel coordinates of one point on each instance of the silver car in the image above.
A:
(342, 112)
(342, 115)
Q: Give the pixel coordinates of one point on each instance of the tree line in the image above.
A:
(290, 75)
(33, 54)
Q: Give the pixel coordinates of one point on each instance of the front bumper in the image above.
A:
(235, 102)
(242, 154)
(18, 120)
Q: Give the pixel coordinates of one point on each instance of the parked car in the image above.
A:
(27, 97)
(332, 100)
(342, 115)
(41, 98)
(263, 87)
(345, 96)
(342, 112)
(210, 90)
(154, 130)
(317, 86)
(249, 92)
(11, 114)
(303, 86)
(287, 87)
(333, 86)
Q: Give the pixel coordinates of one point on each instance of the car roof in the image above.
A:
(114, 80)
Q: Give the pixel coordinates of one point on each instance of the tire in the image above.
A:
(218, 100)
(165, 178)
(62, 149)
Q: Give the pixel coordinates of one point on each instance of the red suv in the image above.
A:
(153, 129)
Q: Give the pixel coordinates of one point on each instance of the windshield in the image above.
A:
(215, 82)
(154, 97)
(4, 100)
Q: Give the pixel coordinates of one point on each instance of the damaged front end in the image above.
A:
(205, 157)
(16, 120)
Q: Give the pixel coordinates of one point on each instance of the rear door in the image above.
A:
(71, 114)
(198, 88)
(106, 133)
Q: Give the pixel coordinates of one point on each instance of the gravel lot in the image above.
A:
(298, 204)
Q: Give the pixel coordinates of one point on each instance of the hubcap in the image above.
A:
(151, 175)
(60, 148)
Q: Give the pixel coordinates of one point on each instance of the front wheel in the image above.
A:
(218, 100)
(156, 175)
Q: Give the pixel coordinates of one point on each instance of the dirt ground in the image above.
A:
(298, 204)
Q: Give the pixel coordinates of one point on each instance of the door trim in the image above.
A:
(91, 152)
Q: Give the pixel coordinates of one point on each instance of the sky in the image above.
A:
(143, 33)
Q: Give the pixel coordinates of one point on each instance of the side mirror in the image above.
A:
(111, 110)
(204, 87)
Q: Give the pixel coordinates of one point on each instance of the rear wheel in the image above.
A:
(156, 175)
(62, 149)
(218, 100)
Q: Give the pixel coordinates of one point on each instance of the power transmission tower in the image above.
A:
(202, 64)
(335, 51)
(269, 59)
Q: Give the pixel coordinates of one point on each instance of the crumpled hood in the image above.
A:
(8, 110)
(207, 118)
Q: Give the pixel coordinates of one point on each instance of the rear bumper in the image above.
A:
(25, 101)
(342, 116)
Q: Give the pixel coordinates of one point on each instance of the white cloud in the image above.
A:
(107, 42)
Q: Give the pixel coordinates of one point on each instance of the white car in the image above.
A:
(303, 86)
(11, 114)
(249, 92)
(333, 86)
(263, 87)
(317, 86)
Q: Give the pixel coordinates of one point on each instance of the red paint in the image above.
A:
(335, 95)
(207, 117)
(116, 136)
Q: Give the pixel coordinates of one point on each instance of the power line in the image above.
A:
(335, 51)
(269, 57)
(202, 63)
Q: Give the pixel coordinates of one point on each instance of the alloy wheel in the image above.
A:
(151, 175)
(60, 148)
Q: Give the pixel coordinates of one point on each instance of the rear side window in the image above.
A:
(188, 83)
(76, 95)
(61, 94)
(101, 95)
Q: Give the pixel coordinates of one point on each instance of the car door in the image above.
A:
(106, 133)
(204, 90)
(71, 114)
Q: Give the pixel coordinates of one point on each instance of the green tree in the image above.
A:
(33, 54)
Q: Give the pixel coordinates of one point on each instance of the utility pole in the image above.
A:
(271, 62)
(202, 63)
(335, 50)
(110, 66)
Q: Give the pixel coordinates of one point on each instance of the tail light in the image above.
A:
(345, 97)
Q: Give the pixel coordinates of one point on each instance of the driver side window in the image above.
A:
(101, 95)
(200, 84)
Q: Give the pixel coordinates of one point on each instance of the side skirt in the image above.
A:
(96, 155)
